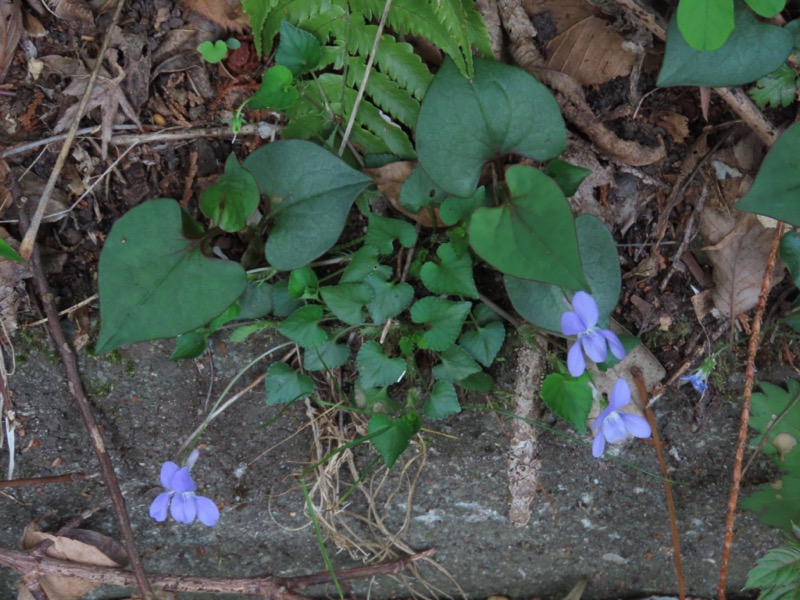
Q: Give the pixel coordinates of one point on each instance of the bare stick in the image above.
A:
(68, 478)
(749, 374)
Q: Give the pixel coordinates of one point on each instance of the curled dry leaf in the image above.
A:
(738, 249)
(77, 545)
(389, 179)
(10, 32)
(71, 10)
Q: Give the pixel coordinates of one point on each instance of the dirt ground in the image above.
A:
(602, 521)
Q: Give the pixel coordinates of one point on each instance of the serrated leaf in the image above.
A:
(456, 365)
(442, 403)
(452, 275)
(705, 24)
(779, 88)
(752, 50)
(276, 91)
(365, 262)
(347, 300)
(309, 205)
(778, 567)
(232, 199)
(483, 343)
(445, 319)
(570, 399)
(533, 235)
(462, 124)
(329, 355)
(388, 95)
(375, 368)
(542, 305)
(298, 51)
(154, 283)
(383, 231)
(389, 299)
(392, 436)
(284, 384)
(302, 327)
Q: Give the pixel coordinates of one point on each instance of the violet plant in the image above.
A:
(180, 498)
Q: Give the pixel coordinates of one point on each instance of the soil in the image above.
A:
(599, 520)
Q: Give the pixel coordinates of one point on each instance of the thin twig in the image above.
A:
(68, 478)
(750, 371)
(66, 311)
(27, 245)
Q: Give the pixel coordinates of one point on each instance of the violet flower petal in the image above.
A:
(637, 426)
(586, 308)
(575, 361)
(207, 511)
(617, 349)
(613, 428)
(594, 345)
(184, 507)
(598, 445)
(159, 506)
(168, 470)
(620, 395)
(571, 324)
(182, 481)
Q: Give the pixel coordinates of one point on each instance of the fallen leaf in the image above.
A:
(225, 13)
(564, 13)
(738, 249)
(389, 179)
(10, 32)
(33, 26)
(676, 125)
(70, 10)
(590, 52)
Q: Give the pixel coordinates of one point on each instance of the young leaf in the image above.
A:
(303, 283)
(302, 327)
(376, 369)
(484, 343)
(298, 51)
(213, 52)
(232, 199)
(462, 124)
(383, 231)
(149, 283)
(389, 299)
(567, 176)
(276, 91)
(347, 300)
(392, 436)
(452, 276)
(284, 384)
(779, 88)
(444, 317)
(533, 235)
(328, 356)
(705, 24)
(570, 399)
(189, 345)
(310, 206)
(454, 210)
(442, 403)
(6, 251)
(455, 366)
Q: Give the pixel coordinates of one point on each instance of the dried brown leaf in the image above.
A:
(10, 32)
(591, 52)
(228, 14)
(389, 179)
(33, 26)
(564, 13)
(70, 10)
(738, 250)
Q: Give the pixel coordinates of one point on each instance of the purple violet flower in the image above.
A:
(594, 341)
(612, 426)
(183, 503)
(699, 378)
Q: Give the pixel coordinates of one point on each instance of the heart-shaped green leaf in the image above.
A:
(276, 91)
(375, 368)
(388, 299)
(303, 283)
(328, 356)
(392, 436)
(774, 192)
(362, 263)
(232, 199)
(347, 301)
(452, 276)
(484, 343)
(752, 50)
(443, 401)
(213, 52)
(533, 235)
(462, 124)
(311, 192)
(454, 209)
(383, 231)
(298, 50)
(444, 317)
(543, 304)
(705, 24)
(284, 384)
(155, 283)
(456, 365)
(302, 327)
(570, 399)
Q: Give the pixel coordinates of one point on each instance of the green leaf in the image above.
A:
(302, 327)
(454, 210)
(213, 52)
(233, 44)
(328, 356)
(753, 50)
(311, 192)
(766, 8)
(7, 251)
(774, 192)
(347, 300)
(374, 400)
(376, 369)
(445, 319)
(283, 304)
(477, 382)
(790, 253)
(389, 299)
(570, 399)
(776, 503)
(303, 283)
(232, 199)
(462, 124)
(362, 263)
(484, 343)
(189, 345)
(392, 436)
(443, 401)
(568, 177)
(154, 283)
(455, 366)
(779, 567)
(276, 90)
(383, 231)
(284, 384)
(779, 88)
(542, 305)
(419, 191)
(783, 442)
(452, 276)
(257, 10)
(256, 300)
(705, 24)
(533, 235)
(298, 51)
(240, 334)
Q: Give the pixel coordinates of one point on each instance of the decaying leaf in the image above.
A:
(227, 14)
(738, 249)
(590, 52)
(564, 13)
(77, 545)
(389, 180)
(10, 32)
(71, 10)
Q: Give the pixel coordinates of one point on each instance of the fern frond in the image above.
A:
(476, 30)
(452, 16)
(384, 92)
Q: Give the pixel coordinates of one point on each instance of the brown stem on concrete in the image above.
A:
(68, 478)
(638, 377)
(749, 379)
(82, 403)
